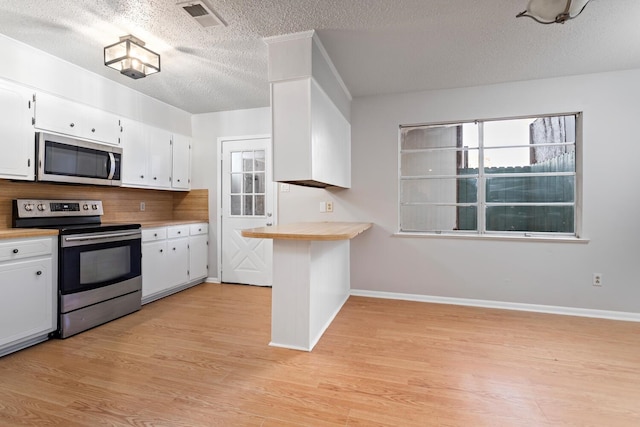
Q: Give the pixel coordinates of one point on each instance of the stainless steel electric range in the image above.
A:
(99, 265)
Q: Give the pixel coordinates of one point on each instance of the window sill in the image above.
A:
(496, 237)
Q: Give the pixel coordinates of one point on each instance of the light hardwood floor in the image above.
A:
(201, 358)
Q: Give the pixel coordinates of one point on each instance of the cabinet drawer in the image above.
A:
(196, 229)
(177, 231)
(18, 249)
(151, 234)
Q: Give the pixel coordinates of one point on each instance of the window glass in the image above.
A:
(514, 175)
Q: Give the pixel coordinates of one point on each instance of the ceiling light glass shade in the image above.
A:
(131, 58)
(553, 11)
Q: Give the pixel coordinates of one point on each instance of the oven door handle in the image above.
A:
(101, 236)
(112, 165)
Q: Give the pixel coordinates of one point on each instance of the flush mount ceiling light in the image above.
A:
(131, 58)
(553, 11)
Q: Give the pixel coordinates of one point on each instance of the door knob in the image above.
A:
(269, 214)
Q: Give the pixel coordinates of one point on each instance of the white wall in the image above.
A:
(207, 128)
(524, 272)
(41, 71)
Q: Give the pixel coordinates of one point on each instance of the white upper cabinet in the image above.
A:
(146, 156)
(310, 114)
(17, 143)
(159, 144)
(63, 116)
(181, 177)
(134, 154)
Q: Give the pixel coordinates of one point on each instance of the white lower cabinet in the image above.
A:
(167, 260)
(198, 251)
(28, 306)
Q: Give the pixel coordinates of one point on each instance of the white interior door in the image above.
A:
(246, 202)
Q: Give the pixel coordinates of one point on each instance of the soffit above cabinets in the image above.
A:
(378, 47)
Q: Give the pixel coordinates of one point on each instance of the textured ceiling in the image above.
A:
(378, 46)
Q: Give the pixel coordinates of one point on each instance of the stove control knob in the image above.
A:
(42, 207)
(94, 207)
(28, 207)
(85, 207)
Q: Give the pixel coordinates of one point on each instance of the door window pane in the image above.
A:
(236, 161)
(259, 156)
(247, 161)
(248, 205)
(259, 183)
(248, 183)
(236, 183)
(259, 205)
(236, 205)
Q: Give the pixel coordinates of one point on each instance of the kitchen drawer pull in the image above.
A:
(161, 250)
(93, 129)
(39, 273)
(155, 234)
(15, 251)
(72, 124)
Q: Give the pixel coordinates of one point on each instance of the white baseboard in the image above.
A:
(568, 311)
(212, 280)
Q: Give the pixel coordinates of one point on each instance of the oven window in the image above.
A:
(84, 267)
(104, 265)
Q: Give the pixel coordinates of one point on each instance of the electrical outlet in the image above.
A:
(597, 279)
(284, 188)
(329, 206)
(142, 206)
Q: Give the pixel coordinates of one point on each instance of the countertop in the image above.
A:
(161, 223)
(310, 231)
(18, 233)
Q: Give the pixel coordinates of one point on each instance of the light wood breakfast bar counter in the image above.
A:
(311, 278)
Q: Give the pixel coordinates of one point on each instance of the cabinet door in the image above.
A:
(198, 256)
(134, 154)
(58, 115)
(178, 260)
(159, 146)
(16, 133)
(181, 179)
(154, 268)
(28, 299)
(101, 126)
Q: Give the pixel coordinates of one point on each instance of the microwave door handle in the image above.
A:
(112, 165)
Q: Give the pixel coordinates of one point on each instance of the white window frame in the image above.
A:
(481, 231)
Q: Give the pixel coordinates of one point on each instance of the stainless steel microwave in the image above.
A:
(65, 159)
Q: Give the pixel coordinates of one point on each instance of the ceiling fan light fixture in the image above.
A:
(553, 11)
(131, 58)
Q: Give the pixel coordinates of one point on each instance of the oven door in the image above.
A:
(93, 260)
